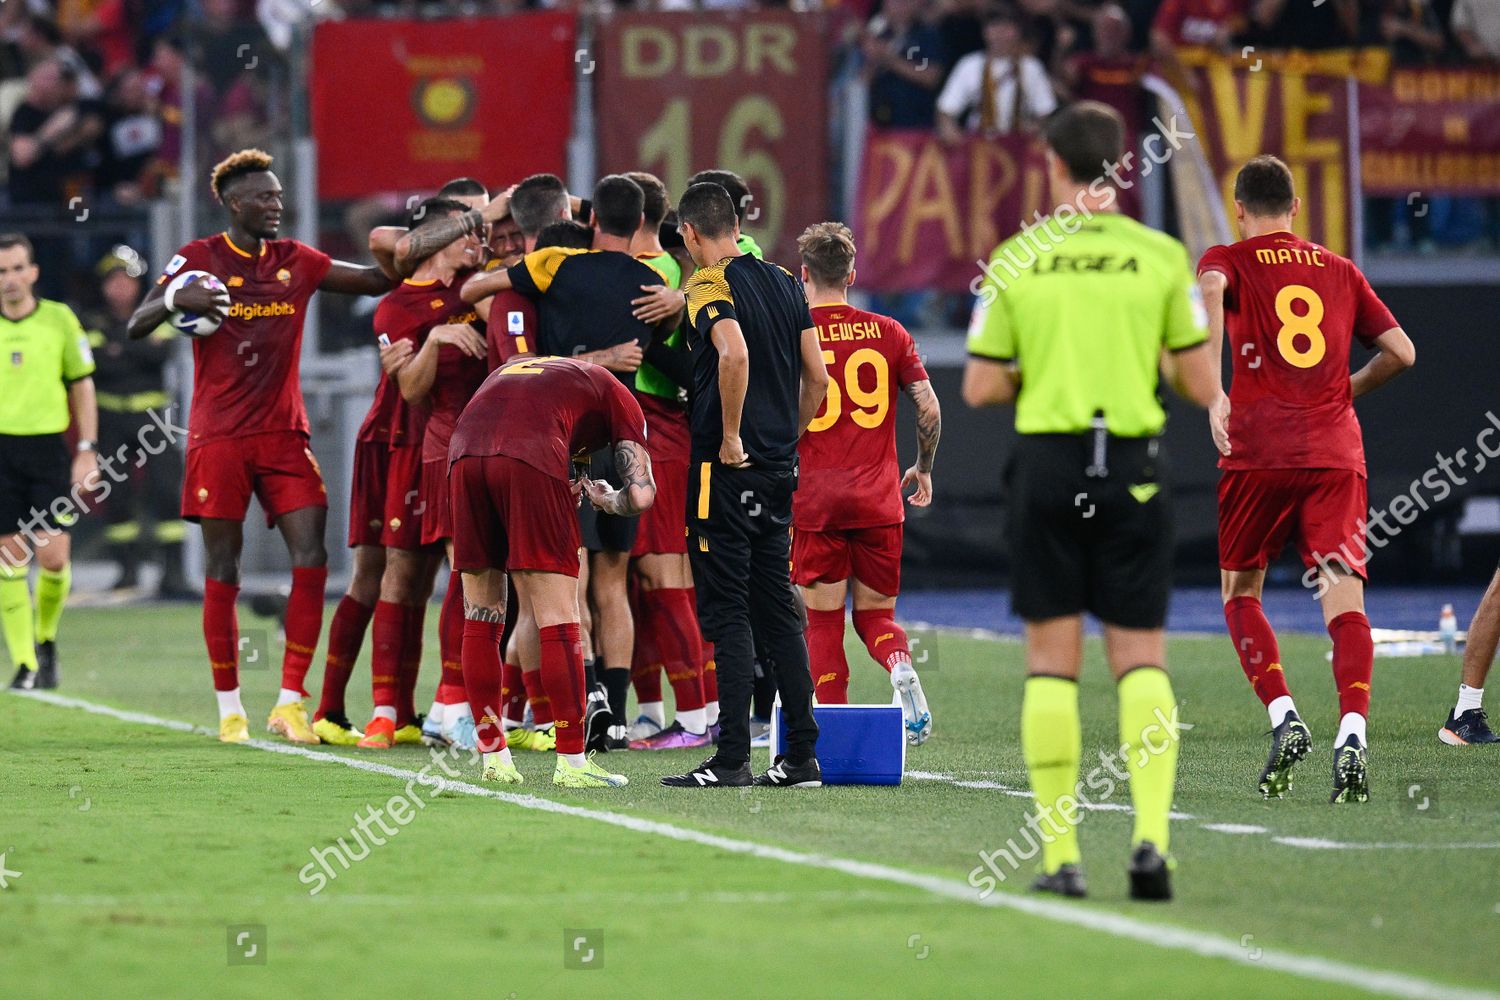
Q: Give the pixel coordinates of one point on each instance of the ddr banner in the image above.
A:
(398, 105)
(678, 93)
(1431, 131)
(930, 213)
(1242, 107)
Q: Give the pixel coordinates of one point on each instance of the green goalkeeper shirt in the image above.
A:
(41, 354)
(1085, 321)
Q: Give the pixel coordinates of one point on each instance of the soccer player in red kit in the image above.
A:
(513, 509)
(847, 513)
(248, 429)
(1292, 457)
(391, 443)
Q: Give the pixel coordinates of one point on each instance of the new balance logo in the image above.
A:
(705, 778)
(778, 772)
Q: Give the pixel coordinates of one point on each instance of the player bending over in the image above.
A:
(1293, 462)
(846, 513)
(513, 508)
(248, 430)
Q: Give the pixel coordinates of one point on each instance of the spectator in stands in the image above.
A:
(39, 41)
(1411, 28)
(229, 45)
(1208, 23)
(960, 23)
(244, 120)
(1297, 24)
(1109, 72)
(1476, 25)
(168, 60)
(998, 91)
(53, 139)
(904, 66)
(131, 170)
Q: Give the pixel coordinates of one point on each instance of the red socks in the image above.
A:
(387, 635)
(414, 618)
(672, 621)
(710, 673)
(1256, 644)
(562, 675)
(825, 653)
(451, 626)
(536, 693)
(1353, 661)
(221, 633)
(885, 640)
(482, 681)
(512, 693)
(304, 623)
(346, 634)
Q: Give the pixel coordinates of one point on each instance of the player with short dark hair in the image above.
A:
(565, 233)
(45, 384)
(847, 512)
(1080, 341)
(513, 509)
(584, 301)
(1292, 458)
(747, 316)
(248, 429)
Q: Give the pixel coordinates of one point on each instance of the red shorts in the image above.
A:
(870, 555)
(663, 526)
(436, 522)
(507, 515)
(1324, 510)
(385, 500)
(276, 466)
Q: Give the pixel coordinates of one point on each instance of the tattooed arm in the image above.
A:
(634, 467)
(929, 429)
(424, 241)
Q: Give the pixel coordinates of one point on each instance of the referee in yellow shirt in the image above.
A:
(45, 369)
(1079, 319)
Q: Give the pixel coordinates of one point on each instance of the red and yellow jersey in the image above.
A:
(407, 312)
(849, 477)
(246, 373)
(547, 411)
(458, 377)
(1292, 310)
(512, 327)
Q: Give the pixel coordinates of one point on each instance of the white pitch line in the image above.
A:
(1305, 843)
(1395, 984)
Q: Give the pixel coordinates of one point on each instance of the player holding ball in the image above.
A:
(248, 429)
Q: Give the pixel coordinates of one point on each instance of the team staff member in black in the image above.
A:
(758, 380)
(584, 311)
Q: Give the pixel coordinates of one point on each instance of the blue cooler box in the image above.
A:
(857, 744)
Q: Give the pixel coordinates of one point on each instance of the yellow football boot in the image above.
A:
(290, 721)
(234, 729)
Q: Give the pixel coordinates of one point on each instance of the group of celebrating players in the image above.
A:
(559, 415)
(530, 425)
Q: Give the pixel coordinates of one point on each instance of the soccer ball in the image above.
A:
(193, 324)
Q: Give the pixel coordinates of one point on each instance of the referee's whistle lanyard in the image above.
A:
(1097, 469)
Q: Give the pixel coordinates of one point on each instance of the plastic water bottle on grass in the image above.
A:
(1448, 629)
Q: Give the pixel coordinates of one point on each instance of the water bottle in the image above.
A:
(1448, 629)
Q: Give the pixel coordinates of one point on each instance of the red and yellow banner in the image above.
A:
(929, 213)
(1241, 108)
(1431, 131)
(680, 93)
(402, 105)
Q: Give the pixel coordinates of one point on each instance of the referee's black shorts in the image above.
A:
(739, 544)
(35, 477)
(1085, 542)
(601, 532)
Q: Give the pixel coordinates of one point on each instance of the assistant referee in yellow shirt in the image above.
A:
(45, 364)
(1078, 321)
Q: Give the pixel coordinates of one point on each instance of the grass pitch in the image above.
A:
(145, 853)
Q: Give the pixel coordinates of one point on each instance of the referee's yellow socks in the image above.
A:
(15, 616)
(1051, 739)
(1149, 740)
(51, 594)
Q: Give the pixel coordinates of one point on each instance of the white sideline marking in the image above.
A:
(1021, 793)
(1207, 945)
(1305, 843)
